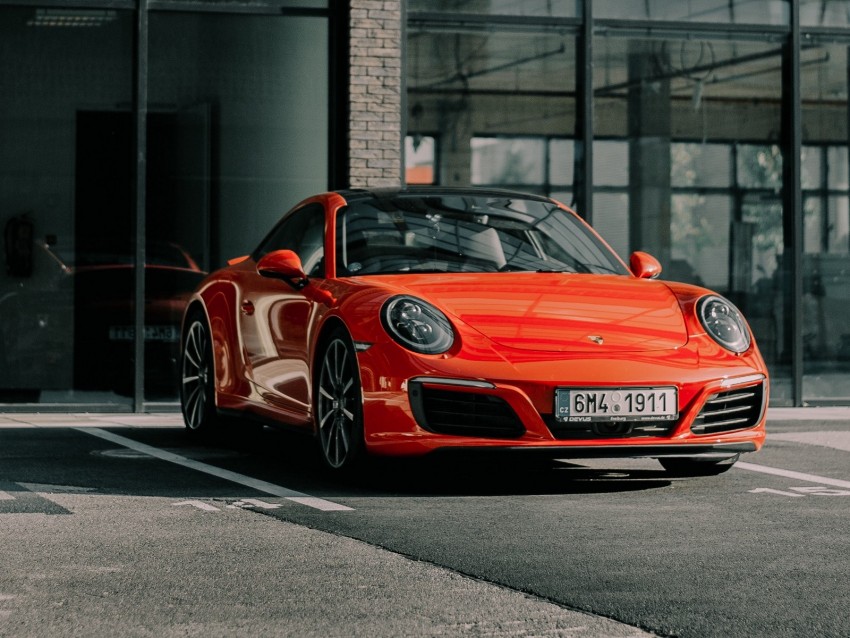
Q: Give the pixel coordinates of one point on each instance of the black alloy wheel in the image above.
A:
(339, 409)
(197, 390)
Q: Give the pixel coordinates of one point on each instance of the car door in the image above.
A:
(276, 320)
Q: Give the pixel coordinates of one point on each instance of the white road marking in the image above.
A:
(767, 490)
(5, 496)
(835, 439)
(821, 491)
(799, 476)
(167, 420)
(255, 502)
(319, 504)
(234, 477)
(200, 505)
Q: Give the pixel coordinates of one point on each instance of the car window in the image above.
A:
(302, 231)
(409, 233)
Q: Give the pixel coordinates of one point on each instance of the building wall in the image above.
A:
(375, 138)
(238, 116)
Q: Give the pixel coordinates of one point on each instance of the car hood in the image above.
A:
(561, 312)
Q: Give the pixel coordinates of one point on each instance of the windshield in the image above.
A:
(454, 233)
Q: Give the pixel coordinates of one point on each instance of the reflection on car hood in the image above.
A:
(561, 313)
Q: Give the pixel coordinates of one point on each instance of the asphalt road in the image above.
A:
(121, 525)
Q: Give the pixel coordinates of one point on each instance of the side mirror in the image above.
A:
(644, 266)
(285, 265)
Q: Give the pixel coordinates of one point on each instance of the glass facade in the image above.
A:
(526, 8)
(710, 133)
(466, 87)
(826, 223)
(718, 11)
(825, 13)
(163, 137)
(690, 165)
(65, 174)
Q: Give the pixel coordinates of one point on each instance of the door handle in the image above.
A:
(247, 307)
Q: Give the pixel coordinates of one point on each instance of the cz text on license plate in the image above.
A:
(616, 404)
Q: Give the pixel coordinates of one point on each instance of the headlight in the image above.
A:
(417, 325)
(724, 323)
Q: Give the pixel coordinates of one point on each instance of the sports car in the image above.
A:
(402, 322)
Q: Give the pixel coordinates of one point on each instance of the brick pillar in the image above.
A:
(375, 143)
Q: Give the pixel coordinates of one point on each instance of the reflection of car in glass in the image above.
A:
(401, 322)
(75, 328)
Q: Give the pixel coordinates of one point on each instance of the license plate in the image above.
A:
(152, 333)
(576, 405)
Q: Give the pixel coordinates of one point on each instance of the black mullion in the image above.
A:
(339, 72)
(140, 106)
(847, 107)
(792, 204)
(130, 5)
(473, 21)
(255, 7)
(664, 29)
(582, 186)
(824, 200)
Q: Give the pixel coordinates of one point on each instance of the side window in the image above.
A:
(304, 232)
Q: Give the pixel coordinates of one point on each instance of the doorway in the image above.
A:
(103, 258)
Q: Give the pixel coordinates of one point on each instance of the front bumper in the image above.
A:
(418, 410)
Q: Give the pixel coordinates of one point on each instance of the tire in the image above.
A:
(197, 378)
(339, 408)
(693, 467)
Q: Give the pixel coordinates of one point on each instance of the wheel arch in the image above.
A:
(217, 306)
(330, 325)
(195, 306)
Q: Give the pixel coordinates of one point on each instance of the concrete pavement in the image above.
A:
(328, 585)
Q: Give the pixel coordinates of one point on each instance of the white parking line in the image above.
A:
(5, 496)
(234, 477)
(799, 476)
(835, 439)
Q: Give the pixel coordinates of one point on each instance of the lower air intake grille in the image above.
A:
(464, 413)
(606, 429)
(730, 410)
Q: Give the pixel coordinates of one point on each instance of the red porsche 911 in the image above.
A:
(400, 322)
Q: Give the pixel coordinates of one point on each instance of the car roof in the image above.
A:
(359, 194)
